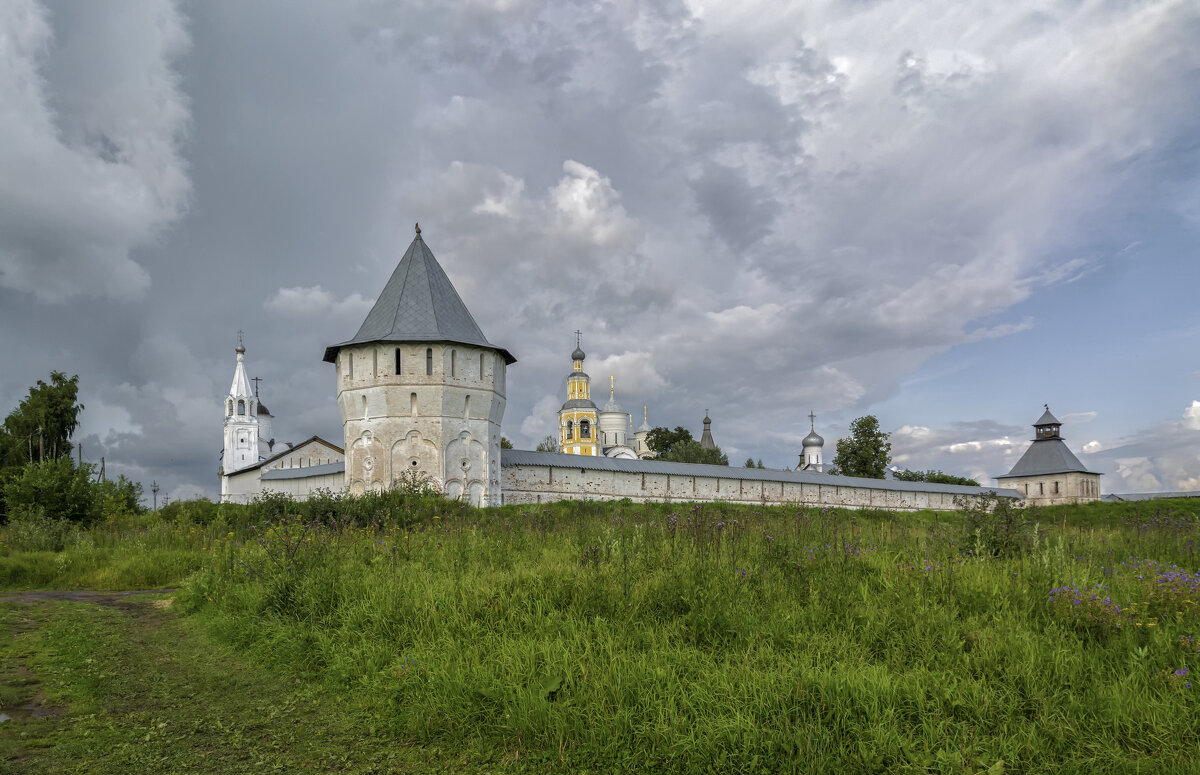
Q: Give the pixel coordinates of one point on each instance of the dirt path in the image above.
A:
(100, 597)
(128, 685)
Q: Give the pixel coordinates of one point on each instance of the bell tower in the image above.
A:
(241, 420)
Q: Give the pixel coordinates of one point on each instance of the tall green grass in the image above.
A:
(682, 637)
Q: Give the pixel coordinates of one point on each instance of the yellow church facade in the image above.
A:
(577, 420)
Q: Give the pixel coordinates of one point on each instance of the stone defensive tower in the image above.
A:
(420, 389)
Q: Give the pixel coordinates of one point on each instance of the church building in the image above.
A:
(584, 430)
(421, 393)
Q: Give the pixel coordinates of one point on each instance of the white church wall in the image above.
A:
(545, 484)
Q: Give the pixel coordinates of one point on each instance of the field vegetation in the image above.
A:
(688, 637)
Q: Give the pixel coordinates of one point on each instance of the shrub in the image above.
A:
(30, 530)
(993, 526)
(59, 488)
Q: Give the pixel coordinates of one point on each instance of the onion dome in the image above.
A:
(813, 439)
(578, 355)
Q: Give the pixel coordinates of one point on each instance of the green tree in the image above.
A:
(662, 441)
(749, 462)
(548, 444)
(760, 465)
(866, 452)
(41, 426)
(934, 477)
(505, 443)
(691, 452)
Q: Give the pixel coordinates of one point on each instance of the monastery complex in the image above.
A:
(421, 394)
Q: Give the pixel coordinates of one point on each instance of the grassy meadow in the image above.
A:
(683, 637)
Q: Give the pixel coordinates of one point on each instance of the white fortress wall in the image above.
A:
(538, 477)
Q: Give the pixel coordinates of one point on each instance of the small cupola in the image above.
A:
(1047, 426)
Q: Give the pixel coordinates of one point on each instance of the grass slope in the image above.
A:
(661, 637)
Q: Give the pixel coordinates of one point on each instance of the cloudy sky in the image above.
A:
(945, 213)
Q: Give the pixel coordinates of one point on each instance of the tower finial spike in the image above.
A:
(241, 346)
(812, 418)
(612, 389)
(578, 338)
(418, 228)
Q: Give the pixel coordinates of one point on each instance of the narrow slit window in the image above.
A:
(454, 363)
(467, 408)
(481, 367)
(350, 365)
(398, 362)
(412, 404)
(428, 361)
(374, 363)
(241, 407)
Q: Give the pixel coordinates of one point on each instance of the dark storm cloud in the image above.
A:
(747, 209)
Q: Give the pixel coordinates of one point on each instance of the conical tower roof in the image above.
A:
(1047, 419)
(419, 304)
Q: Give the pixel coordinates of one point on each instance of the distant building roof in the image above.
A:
(1046, 456)
(292, 448)
(520, 457)
(325, 469)
(419, 304)
(1119, 497)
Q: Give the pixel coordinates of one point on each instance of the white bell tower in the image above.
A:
(241, 421)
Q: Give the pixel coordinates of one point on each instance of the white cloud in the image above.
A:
(542, 421)
(315, 301)
(1191, 416)
(590, 209)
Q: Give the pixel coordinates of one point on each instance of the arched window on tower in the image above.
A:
(428, 361)
(229, 406)
(454, 363)
(481, 367)
(585, 429)
(397, 361)
(570, 428)
(241, 406)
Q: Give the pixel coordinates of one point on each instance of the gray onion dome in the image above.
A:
(578, 355)
(813, 439)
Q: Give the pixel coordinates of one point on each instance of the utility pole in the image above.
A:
(154, 489)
